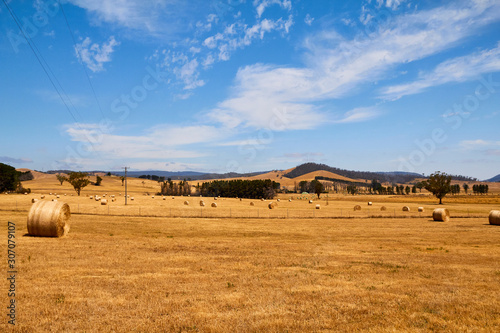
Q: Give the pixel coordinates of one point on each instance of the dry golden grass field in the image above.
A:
(233, 271)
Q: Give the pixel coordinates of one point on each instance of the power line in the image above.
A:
(31, 44)
(79, 56)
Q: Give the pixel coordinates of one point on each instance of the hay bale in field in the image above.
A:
(50, 193)
(202, 203)
(186, 203)
(34, 200)
(215, 198)
(262, 199)
(104, 195)
(278, 200)
(112, 195)
(173, 197)
(91, 197)
(383, 208)
(49, 219)
(251, 203)
(494, 217)
(25, 193)
(406, 209)
(104, 202)
(113, 199)
(241, 199)
(214, 205)
(357, 207)
(289, 200)
(420, 209)
(318, 206)
(54, 199)
(42, 197)
(441, 214)
(132, 199)
(272, 205)
(370, 203)
(164, 198)
(310, 201)
(57, 196)
(64, 194)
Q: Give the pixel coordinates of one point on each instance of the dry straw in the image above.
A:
(494, 217)
(406, 209)
(441, 214)
(49, 219)
(357, 207)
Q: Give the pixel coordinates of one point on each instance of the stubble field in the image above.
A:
(246, 274)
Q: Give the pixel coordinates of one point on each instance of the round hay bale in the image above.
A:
(406, 209)
(104, 195)
(278, 200)
(64, 194)
(215, 198)
(42, 197)
(164, 198)
(186, 203)
(383, 208)
(91, 197)
(241, 199)
(441, 214)
(310, 201)
(357, 207)
(272, 205)
(132, 199)
(289, 200)
(214, 205)
(261, 199)
(251, 203)
(54, 199)
(494, 217)
(50, 193)
(370, 203)
(49, 219)
(112, 195)
(318, 206)
(25, 193)
(202, 203)
(34, 200)
(152, 197)
(104, 202)
(113, 199)
(420, 209)
(173, 197)
(57, 197)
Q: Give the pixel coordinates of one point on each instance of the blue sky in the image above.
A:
(241, 86)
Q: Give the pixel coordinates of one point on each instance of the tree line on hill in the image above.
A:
(251, 189)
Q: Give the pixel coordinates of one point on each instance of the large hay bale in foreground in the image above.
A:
(494, 217)
(357, 207)
(441, 214)
(272, 205)
(49, 219)
(214, 205)
(383, 208)
(420, 209)
(406, 209)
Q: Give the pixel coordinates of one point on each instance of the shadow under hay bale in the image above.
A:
(49, 219)
(494, 217)
(441, 215)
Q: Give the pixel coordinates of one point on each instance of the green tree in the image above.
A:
(317, 186)
(78, 180)
(438, 184)
(466, 187)
(407, 189)
(414, 189)
(98, 181)
(61, 178)
(9, 178)
(122, 178)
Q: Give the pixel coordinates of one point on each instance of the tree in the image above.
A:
(98, 181)
(414, 189)
(407, 189)
(143, 183)
(466, 187)
(420, 186)
(9, 178)
(317, 186)
(438, 184)
(122, 178)
(61, 178)
(108, 174)
(78, 180)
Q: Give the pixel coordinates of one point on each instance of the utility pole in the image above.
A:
(125, 185)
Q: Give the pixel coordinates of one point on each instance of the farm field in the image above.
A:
(227, 275)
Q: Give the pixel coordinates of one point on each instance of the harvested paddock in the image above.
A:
(219, 275)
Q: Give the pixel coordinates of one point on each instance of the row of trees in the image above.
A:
(252, 189)
(10, 179)
(171, 188)
(313, 186)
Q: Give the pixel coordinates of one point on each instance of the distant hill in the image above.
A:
(193, 175)
(494, 179)
(391, 177)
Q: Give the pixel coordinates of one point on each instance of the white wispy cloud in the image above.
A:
(159, 142)
(308, 19)
(459, 69)
(93, 55)
(261, 5)
(478, 143)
